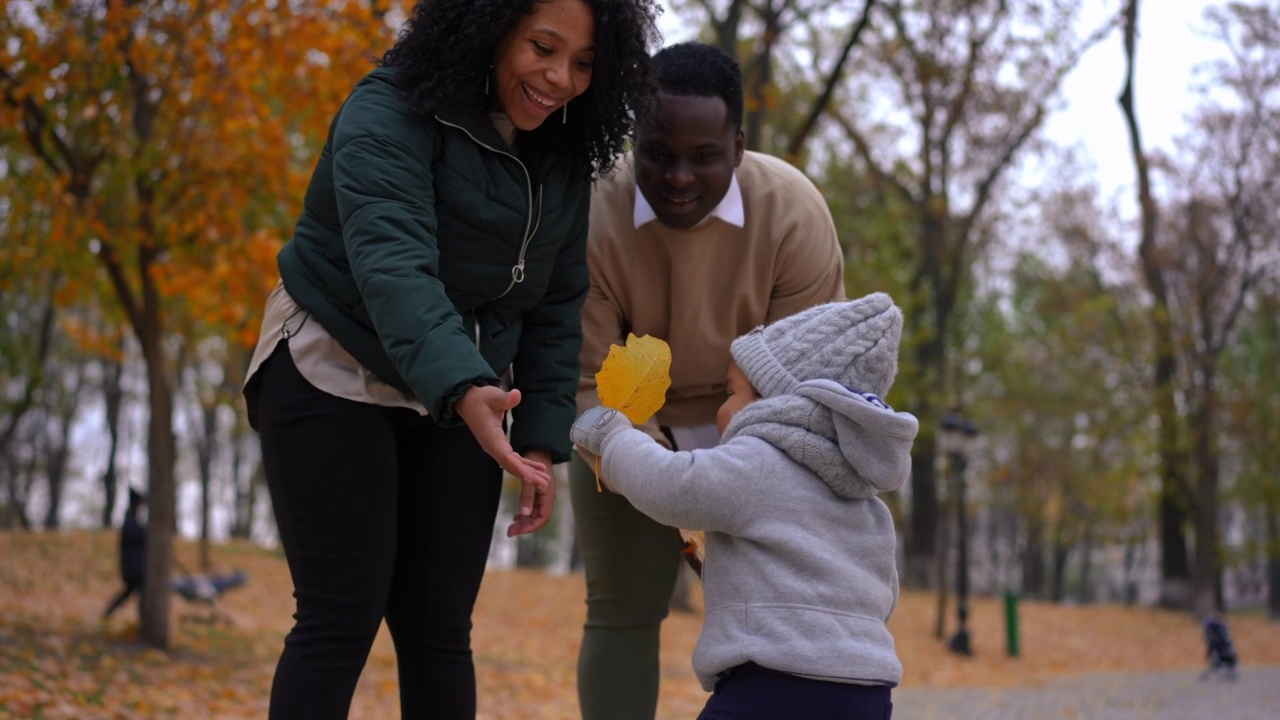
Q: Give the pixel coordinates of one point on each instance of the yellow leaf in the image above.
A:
(634, 379)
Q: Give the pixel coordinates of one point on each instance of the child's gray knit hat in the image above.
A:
(854, 343)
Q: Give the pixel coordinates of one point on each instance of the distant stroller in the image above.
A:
(1219, 650)
(205, 590)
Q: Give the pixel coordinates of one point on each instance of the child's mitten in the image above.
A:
(594, 427)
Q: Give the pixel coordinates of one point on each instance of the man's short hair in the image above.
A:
(700, 70)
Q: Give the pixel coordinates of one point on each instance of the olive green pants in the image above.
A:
(631, 563)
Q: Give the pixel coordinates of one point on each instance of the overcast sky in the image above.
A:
(1169, 49)
(1171, 45)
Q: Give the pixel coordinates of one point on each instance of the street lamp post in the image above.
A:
(958, 433)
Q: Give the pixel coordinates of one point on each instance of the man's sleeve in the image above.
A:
(604, 322)
(810, 266)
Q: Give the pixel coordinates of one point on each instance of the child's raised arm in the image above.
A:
(703, 489)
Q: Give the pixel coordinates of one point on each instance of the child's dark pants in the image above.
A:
(751, 692)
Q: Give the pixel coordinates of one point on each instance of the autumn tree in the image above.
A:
(1175, 568)
(1053, 356)
(1203, 246)
(29, 281)
(944, 99)
(1231, 234)
(218, 430)
(1251, 405)
(28, 331)
(784, 95)
(173, 142)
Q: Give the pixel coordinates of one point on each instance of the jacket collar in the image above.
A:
(478, 124)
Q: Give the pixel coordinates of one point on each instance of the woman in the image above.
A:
(440, 259)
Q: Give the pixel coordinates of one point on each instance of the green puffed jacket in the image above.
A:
(438, 258)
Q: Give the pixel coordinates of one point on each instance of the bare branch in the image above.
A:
(115, 273)
(829, 86)
(864, 151)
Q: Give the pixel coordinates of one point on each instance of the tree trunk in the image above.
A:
(256, 480)
(529, 551)
(1175, 563)
(161, 494)
(760, 81)
(1207, 564)
(56, 452)
(929, 312)
(560, 560)
(1058, 571)
(239, 517)
(941, 559)
(1134, 551)
(113, 396)
(16, 505)
(1175, 571)
(795, 144)
(726, 29)
(1273, 565)
(58, 444)
(204, 454)
(1087, 594)
(923, 538)
(1033, 570)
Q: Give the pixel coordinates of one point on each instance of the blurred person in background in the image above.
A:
(133, 552)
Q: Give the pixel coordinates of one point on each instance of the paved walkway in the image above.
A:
(1177, 695)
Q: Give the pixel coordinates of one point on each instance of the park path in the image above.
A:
(1173, 695)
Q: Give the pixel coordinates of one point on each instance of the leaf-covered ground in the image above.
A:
(58, 660)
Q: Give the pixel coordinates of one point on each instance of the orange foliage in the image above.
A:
(189, 129)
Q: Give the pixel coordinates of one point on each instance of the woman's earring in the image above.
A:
(564, 116)
(486, 80)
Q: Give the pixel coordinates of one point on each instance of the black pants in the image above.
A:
(130, 587)
(382, 514)
(751, 692)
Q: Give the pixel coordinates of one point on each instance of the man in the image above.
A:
(715, 242)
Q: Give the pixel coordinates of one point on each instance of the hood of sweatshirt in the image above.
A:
(857, 444)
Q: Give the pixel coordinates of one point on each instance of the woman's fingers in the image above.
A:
(482, 409)
(541, 506)
(531, 473)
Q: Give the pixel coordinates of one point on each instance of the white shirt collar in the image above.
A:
(729, 210)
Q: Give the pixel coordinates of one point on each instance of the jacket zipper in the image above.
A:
(530, 227)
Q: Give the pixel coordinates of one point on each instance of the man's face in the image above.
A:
(684, 160)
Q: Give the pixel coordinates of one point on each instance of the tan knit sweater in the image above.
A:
(700, 288)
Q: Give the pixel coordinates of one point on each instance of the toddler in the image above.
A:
(799, 576)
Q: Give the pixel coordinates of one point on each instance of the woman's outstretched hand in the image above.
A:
(482, 409)
(536, 504)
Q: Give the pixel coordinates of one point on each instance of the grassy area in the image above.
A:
(58, 660)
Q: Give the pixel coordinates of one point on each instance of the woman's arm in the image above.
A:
(383, 188)
(546, 364)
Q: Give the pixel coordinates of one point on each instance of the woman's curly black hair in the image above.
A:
(445, 52)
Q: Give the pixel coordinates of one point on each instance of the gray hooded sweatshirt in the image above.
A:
(800, 571)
